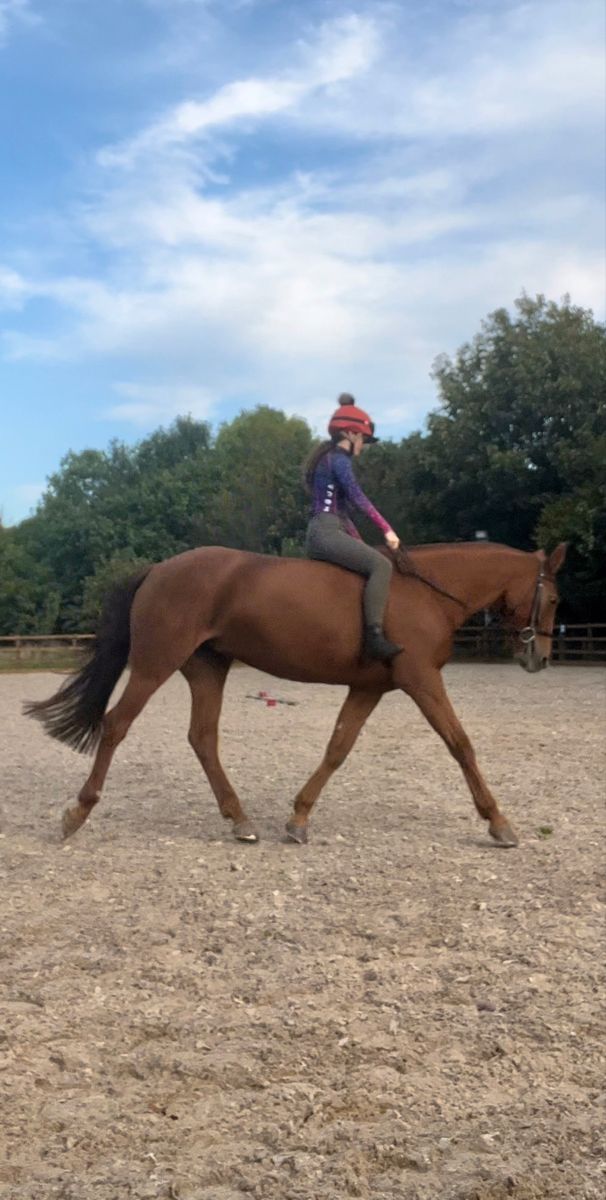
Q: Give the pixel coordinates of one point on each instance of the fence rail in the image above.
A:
(571, 643)
(479, 643)
(69, 639)
(20, 650)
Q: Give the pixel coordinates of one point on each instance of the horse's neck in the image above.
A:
(476, 575)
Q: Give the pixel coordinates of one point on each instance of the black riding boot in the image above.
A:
(376, 645)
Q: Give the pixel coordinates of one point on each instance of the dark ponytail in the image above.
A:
(311, 463)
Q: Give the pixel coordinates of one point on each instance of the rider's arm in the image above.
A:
(343, 472)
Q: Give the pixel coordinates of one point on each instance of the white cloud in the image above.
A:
(341, 49)
(152, 403)
(15, 12)
(13, 289)
(352, 275)
(499, 70)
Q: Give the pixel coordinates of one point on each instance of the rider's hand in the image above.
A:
(392, 540)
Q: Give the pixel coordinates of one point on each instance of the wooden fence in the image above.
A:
(571, 644)
(22, 651)
(473, 643)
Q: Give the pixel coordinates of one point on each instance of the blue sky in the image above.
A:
(209, 204)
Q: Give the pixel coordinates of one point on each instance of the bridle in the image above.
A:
(529, 633)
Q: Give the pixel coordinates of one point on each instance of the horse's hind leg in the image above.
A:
(206, 673)
(116, 724)
(427, 690)
(355, 711)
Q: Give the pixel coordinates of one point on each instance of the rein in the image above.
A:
(405, 567)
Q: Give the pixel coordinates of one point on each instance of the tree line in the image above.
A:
(516, 448)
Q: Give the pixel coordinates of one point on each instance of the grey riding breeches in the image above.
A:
(328, 541)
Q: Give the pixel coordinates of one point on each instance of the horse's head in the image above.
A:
(529, 605)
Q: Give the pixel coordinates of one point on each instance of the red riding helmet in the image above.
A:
(348, 418)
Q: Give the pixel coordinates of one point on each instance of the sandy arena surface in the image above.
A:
(397, 1011)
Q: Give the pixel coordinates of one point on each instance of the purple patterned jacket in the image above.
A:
(335, 490)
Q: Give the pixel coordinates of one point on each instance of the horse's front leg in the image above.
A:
(355, 711)
(427, 690)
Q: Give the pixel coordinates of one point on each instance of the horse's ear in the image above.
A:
(556, 558)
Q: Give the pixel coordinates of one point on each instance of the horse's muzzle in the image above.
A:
(531, 661)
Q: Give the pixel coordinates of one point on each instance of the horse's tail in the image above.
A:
(75, 713)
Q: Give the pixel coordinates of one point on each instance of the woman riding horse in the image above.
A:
(331, 534)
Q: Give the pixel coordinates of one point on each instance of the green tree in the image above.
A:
(127, 502)
(518, 446)
(523, 416)
(399, 478)
(29, 602)
(96, 587)
(259, 503)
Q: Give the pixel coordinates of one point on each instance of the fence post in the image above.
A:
(559, 645)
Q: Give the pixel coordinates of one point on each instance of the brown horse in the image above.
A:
(200, 611)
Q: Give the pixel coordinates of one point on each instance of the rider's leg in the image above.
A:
(376, 645)
(328, 541)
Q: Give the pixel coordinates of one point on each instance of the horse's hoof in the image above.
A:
(71, 820)
(245, 831)
(296, 833)
(504, 835)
